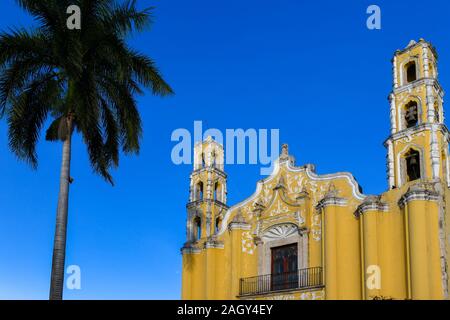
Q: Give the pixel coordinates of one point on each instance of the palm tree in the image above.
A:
(84, 81)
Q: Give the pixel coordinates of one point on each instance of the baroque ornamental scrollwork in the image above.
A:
(279, 209)
(408, 138)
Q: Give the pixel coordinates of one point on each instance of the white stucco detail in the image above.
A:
(311, 175)
(395, 72)
(393, 114)
(391, 165)
(278, 232)
(435, 155)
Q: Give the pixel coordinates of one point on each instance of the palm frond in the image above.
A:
(111, 134)
(57, 130)
(27, 115)
(125, 18)
(148, 75)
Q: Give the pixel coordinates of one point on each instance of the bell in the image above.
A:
(413, 161)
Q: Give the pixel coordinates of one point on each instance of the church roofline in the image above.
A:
(309, 170)
(208, 139)
(413, 44)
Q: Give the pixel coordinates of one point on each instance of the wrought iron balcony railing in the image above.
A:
(301, 279)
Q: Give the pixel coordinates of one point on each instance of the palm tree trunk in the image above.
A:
(59, 245)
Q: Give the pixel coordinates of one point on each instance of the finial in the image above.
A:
(284, 152)
(411, 43)
(285, 149)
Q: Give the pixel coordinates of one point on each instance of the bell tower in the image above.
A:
(208, 192)
(417, 146)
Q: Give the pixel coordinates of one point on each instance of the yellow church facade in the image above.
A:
(313, 237)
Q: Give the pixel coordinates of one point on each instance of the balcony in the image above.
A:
(302, 279)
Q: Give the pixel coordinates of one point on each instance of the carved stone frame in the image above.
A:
(264, 248)
(402, 163)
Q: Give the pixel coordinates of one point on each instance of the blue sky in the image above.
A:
(308, 68)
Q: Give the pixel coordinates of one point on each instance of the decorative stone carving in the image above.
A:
(248, 244)
(280, 208)
(281, 183)
(316, 227)
(284, 152)
(281, 231)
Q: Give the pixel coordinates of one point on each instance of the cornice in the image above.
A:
(418, 83)
(209, 169)
(195, 203)
(419, 194)
(213, 244)
(371, 204)
(417, 129)
(238, 226)
(332, 201)
(189, 248)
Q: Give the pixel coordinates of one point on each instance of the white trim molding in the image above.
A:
(390, 165)
(332, 201)
(239, 226)
(190, 250)
(419, 194)
(393, 113)
(372, 204)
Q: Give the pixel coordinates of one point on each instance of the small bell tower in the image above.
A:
(208, 192)
(417, 146)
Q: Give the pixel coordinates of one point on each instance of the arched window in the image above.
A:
(413, 165)
(199, 191)
(218, 224)
(198, 228)
(411, 72)
(411, 114)
(203, 161)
